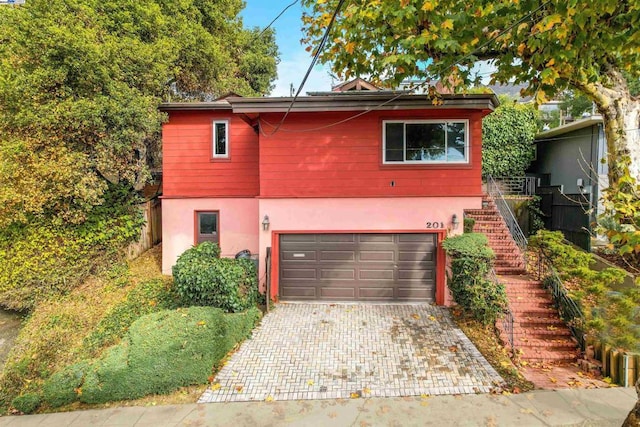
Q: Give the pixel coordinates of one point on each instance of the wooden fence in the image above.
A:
(151, 233)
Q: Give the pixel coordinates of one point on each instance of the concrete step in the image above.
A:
(509, 270)
(526, 312)
(542, 333)
(524, 294)
(538, 322)
(485, 220)
(521, 304)
(537, 355)
(512, 261)
(560, 344)
(475, 213)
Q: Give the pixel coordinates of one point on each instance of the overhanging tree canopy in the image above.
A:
(80, 83)
(592, 46)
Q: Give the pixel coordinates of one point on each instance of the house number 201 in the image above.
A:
(435, 224)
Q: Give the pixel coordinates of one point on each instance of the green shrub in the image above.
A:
(62, 387)
(26, 403)
(148, 297)
(160, 353)
(204, 279)
(469, 223)
(471, 260)
(507, 139)
(47, 258)
(611, 314)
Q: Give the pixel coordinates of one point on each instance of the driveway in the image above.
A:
(323, 351)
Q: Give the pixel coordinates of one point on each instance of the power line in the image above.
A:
(323, 41)
(276, 18)
(402, 93)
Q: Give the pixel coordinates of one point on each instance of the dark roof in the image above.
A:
(223, 104)
(343, 101)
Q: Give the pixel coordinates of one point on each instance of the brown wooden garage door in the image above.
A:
(358, 267)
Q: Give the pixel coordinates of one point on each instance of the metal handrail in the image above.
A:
(568, 309)
(507, 320)
(514, 228)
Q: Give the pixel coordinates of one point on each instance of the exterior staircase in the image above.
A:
(539, 334)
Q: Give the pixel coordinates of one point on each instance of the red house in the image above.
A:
(353, 193)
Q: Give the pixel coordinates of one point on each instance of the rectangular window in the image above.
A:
(207, 224)
(221, 139)
(425, 141)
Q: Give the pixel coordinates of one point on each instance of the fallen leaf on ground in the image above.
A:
(415, 316)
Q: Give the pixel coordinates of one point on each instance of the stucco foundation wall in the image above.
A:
(239, 226)
(360, 215)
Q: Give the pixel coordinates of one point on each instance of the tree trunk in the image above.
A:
(621, 115)
(633, 419)
(621, 127)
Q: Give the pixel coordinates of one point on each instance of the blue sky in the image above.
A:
(294, 60)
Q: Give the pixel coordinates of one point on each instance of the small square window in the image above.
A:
(207, 227)
(221, 139)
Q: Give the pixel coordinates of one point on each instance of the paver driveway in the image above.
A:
(316, 351)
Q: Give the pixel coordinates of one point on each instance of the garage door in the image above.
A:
(358, 267)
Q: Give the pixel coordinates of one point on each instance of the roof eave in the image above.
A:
(190, 106)
(569, 127)
(361, 102)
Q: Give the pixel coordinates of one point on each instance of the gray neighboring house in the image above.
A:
(571, 176)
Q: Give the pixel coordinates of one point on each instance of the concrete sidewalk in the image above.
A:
(594, 407)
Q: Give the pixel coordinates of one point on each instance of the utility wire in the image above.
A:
(323, 41)
(276, 18)
(402, 93)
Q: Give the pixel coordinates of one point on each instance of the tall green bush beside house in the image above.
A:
(203, 278)
(507, 139)
(471, 262)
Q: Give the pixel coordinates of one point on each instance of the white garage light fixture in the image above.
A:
(265, 223)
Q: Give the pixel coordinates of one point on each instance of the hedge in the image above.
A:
(202, 278)
(471, 261)
(160, 353)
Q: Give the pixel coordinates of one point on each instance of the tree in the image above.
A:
(575, 104)
(507, 139)
(80, 86)
(552, 45)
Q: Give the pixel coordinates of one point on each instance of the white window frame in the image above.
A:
(214, 138)
(467, 144)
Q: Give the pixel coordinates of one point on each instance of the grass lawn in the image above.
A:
(77, 346)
